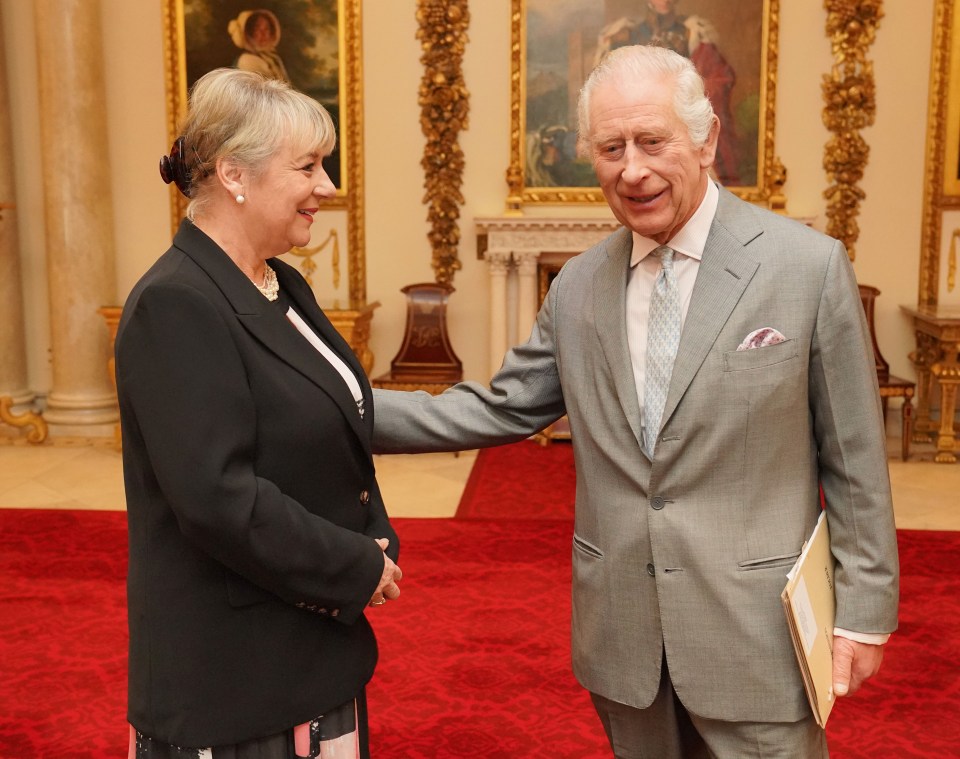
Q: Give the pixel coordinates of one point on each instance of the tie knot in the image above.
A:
(665, 254)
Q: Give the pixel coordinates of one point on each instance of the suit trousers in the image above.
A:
(666, 730)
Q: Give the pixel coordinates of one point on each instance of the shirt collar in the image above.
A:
(691, 240)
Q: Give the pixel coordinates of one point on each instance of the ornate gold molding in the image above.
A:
(444, 107)
(310, 266)
(850, 96)
(27, 419)
(934, 199)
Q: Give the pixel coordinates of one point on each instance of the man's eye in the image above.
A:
(308, 168)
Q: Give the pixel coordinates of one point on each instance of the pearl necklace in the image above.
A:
(270, 287)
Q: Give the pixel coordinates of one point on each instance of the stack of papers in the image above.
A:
(811, 607)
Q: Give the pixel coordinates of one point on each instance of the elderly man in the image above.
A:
(715, 365)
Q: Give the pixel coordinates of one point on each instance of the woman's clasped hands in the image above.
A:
(387, 589)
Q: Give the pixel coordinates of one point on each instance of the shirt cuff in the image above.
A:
(873, 639)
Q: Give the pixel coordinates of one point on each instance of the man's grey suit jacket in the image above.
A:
(689, 552)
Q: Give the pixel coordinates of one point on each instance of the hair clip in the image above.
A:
(173, 168)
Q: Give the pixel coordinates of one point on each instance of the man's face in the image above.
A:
(651, 174)
(662, 6)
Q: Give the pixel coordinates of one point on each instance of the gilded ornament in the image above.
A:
(444, 108)
(849, 93)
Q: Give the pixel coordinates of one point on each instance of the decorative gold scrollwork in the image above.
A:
(850, 96)
(27, 419)
(310, 266)
(952, 262)
(444, 105)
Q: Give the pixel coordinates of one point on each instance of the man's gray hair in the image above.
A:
(638, 62)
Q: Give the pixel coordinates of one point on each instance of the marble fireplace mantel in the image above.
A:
(522, 252)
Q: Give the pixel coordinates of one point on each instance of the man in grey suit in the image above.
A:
(686, 526)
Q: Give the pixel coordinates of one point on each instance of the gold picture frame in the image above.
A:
(323, 59)
(950, 83)
(942, 170)
(554, 45)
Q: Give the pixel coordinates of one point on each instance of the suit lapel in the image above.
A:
(610, 288)
(725, 271)
(275, 333)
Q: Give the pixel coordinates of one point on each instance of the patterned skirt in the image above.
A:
(339, 734)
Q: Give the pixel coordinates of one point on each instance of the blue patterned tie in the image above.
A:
(663, 337)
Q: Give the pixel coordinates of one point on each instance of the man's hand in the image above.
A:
(387, 589)
(853, 664)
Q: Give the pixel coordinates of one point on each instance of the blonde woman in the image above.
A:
(258, 536)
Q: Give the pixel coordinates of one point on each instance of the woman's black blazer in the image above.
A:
(252, 505)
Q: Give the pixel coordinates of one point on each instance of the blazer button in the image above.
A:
(364, 497)
(651, 570)
(658, 502)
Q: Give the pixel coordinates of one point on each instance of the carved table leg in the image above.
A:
(947, 373)
(906, 425)
(922, 358)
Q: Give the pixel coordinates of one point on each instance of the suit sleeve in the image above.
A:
(183, 387)
(524, 396)
(851, 440)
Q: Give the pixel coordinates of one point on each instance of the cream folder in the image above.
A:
(811, 608)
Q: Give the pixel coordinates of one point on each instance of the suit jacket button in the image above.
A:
(364, 497)
(651, 570)
(658, 503)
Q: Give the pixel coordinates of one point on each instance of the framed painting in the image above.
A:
(941, 202)
(556, 43)
(315, 45)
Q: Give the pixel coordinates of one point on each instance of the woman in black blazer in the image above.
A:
(258, 535)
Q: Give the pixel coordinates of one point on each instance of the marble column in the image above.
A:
(13, 346)
(499, 266)
(79, 214)
(528, 293)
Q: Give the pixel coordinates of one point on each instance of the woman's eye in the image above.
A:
(308, 168)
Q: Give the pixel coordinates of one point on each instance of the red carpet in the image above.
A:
(475, 655)
(520, 481)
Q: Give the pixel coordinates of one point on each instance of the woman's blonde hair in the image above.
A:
(245, 117)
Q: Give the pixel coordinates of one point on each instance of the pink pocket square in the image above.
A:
(761, 338)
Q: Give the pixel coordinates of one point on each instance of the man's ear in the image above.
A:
(231, 176)
(708, 152)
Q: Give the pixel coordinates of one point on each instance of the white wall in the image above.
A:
(397, 249)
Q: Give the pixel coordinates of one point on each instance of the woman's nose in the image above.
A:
(324, 188)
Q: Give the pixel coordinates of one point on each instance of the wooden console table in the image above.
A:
(937, 357)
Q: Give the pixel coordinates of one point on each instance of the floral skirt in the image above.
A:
(339, 734)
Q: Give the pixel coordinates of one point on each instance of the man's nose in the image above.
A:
(635, 165)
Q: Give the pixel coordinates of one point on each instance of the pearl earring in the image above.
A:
(241, 199)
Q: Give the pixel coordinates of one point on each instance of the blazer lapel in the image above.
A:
(275, 333)
(724, 274)
(610, 288)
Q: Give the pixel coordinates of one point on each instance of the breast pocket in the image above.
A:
(761, 358)
(770, 380)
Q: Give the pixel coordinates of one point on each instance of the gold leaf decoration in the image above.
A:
(850, 96)
(444, 105)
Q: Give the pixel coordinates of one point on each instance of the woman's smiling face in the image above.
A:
(284, 198)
